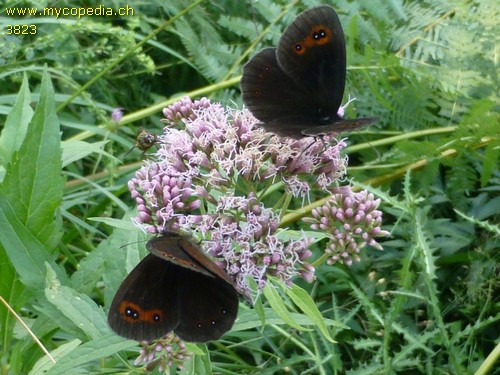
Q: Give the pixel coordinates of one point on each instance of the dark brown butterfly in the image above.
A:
(174, 288)
(296, 89)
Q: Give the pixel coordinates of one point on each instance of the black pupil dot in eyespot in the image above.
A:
(156, 318)
(298, 47)
(131, 313)
(223, 311)
(213, 322)
(199, 325)
(317, 35)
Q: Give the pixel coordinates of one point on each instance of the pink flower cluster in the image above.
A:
(164, 353)
(217, 174)
(352, 221)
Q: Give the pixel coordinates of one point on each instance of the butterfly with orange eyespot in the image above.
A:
(296, 89)
(174, 288)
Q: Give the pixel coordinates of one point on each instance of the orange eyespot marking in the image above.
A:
(133, 313)
(319, 35)
(299, 48)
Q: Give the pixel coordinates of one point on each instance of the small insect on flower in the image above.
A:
(144, 141)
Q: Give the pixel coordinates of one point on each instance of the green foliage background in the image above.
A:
(427, 304)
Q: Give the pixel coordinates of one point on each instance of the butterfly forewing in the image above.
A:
(312, 52)
(269, 93)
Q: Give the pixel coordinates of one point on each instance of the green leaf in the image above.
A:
(258, 306)
(44, 363)
(248, 320)
(116, 223)
(25, 252)
(77, 150)
(120, 253)
(13, 292)
(490, 163)
(16, 125)
(33, 183)
(200, 364)
(91, 351)
(78, 308)
(302, 299)
(279, 307)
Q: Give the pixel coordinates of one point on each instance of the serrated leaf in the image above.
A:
(24, 250)
(121, 252)
(16, 124)
(82, 311)
(428, 259)
(33, 182)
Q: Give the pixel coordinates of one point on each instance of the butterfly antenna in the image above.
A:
(132, 243)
